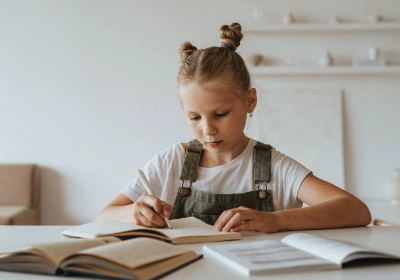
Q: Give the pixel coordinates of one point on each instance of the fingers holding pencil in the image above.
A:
(162, 208)
(150, 211)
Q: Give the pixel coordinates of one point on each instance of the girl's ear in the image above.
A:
(251, 100)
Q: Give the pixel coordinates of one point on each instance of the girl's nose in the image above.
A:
(209, 128)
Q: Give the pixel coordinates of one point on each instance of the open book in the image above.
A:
(295, 252)
(108, 257)
(184, 231)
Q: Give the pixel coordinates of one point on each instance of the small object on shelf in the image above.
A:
(255, 59)
(392, 187)
(326, 59)
(292, 61)
(335, 20)
(374, 18)
(289, 18)
(374, 59)
(257, 15)
(373, 53)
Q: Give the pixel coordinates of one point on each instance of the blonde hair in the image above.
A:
(212, 64)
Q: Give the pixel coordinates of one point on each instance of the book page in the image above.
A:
(132, 253)
(101, 228)
(333, 250)
(189, 222)
(45, 257)
(56, 251)
(264, 256)
(192, 230)
(27, 261)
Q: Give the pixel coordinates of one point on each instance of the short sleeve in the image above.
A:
(162, 172)
(136, 187)
(287, 176)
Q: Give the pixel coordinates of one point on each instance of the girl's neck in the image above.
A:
(210, 158)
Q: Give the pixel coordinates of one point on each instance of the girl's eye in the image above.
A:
(194, 118)
(221, 115)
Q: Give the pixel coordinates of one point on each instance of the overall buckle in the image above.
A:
(262, 189)
(185, 190)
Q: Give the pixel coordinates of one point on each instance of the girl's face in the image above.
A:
(217, 115)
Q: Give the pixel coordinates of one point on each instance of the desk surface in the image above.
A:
(380, 238)
(386, 211)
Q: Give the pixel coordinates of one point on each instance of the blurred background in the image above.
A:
(88, 89)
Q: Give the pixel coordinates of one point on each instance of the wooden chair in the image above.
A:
(19, 194)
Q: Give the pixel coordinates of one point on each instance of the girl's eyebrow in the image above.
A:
(213, 111)
(222, 107)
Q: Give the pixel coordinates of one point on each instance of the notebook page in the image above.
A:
(191, 226)
(333, 250)
(258, 257)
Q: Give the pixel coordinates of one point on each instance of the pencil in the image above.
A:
(378, 222)
(148, 189)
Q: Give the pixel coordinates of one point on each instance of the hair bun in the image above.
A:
(186, 50)
(231, 35)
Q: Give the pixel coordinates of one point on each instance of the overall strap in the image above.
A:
(192, 160)
(262, 163)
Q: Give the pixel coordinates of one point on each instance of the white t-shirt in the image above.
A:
(236, 176)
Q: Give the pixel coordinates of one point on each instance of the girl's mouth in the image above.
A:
(214, 144)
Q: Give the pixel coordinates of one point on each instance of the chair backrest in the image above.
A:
(19, 185)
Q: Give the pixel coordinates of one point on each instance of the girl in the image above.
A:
(222, 176)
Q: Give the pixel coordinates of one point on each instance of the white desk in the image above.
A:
(383, 238)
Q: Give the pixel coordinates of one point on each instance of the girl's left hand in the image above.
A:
(243, 218)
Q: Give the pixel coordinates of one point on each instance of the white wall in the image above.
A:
(87, 91)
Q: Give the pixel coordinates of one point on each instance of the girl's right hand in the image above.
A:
(149, 211)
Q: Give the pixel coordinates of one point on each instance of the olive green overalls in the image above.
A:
(208, 206)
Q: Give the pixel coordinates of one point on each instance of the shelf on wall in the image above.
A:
(307, 27)
(335, 70)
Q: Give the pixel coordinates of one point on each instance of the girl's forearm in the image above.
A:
(121, 213)
(339, 212)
